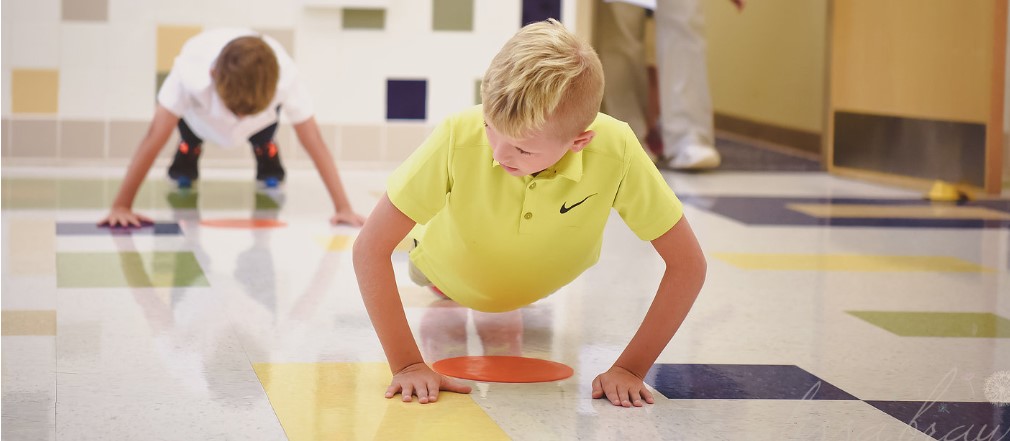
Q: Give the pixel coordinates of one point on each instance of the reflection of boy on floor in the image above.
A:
(487, 186)
(228, 86)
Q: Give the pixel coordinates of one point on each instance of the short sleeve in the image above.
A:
(644, 200)
(172, 95)
(419, 186)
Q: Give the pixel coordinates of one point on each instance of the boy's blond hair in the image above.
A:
(246, 74)
(543, 73)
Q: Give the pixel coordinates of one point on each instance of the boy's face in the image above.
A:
(521, 157)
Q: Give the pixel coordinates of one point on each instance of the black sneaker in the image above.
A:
(268, 163)
(184, 165)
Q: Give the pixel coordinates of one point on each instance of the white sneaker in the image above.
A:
(695, 157)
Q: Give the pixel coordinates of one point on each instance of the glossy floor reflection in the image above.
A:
(833, 310)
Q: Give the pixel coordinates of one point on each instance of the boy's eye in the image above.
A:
(523, 152)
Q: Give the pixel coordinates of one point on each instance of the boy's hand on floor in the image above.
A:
(124, 217)
(418, 379)
(621, 388)
(348, 218)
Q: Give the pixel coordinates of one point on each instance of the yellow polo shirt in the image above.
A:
(494, 242)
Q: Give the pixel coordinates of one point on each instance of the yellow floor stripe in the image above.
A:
(849, 262)
(28, 323)
(338, 401)
(344, 243)
(899, 211)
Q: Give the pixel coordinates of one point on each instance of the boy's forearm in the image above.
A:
(674, 298)
(140, 164)
(311, 140)
(382, 301)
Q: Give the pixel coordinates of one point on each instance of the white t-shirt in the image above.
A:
(189, 93)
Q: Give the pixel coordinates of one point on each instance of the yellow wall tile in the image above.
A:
(35, 90)
(170, 41)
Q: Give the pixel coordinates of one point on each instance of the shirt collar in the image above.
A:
(569, 166)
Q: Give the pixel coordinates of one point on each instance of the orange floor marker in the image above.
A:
(503, 369)
(243, 223)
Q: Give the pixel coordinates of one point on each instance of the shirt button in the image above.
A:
(528, 215)
(533, 185)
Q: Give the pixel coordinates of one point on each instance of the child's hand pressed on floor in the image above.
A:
(418, 379)
(622, 388)
(124, 217)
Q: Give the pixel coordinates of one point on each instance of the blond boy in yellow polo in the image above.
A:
(509, 200)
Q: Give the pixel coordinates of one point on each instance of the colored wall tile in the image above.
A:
(32, 245)
(357, 18)
(28, 323)
(286, 37)
(170, 41)
(325, 401)
(361, 143)
(848, 262)
(740, 382)
(406, 99)
(35, 90)
(539, 10)
(86, 10)
(125, 136)
(34, 139)
(938, 324)
(128, 269)
(159, 79)
(402, 139)
(452, 15)
(477, 99)
(82, 139)
(938, 211)
(5, 136)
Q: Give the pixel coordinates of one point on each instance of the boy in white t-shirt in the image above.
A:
(228, 86)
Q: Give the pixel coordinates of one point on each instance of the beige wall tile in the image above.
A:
(82, 139)
(124, 137)
(34, 139)
(170, 41)
(5, 137)
(402, 139)
(28, 323)
(361, 143)
(35, 90)
(86, 10)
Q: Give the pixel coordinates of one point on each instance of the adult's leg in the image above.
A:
(685, 100)
(620, 43)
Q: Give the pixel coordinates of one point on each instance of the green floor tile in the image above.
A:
(938, 324)
(154, 194)
(128, 269)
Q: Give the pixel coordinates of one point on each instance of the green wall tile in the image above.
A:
(452, 15)
(364, 18)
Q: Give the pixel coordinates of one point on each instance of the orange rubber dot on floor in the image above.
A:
(243, 223)
(503, 369)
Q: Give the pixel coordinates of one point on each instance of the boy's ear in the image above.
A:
(582, 140)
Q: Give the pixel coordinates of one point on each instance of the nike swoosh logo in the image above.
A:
(565, 209)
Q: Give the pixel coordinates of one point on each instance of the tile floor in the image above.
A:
(834, 310)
